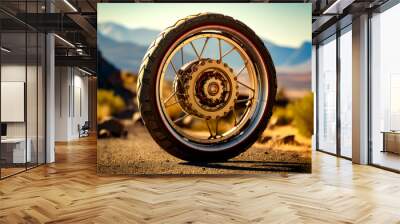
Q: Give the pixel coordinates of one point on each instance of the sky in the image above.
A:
(286, 24)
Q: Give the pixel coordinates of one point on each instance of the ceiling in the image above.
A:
(75, 22)
(332, 15)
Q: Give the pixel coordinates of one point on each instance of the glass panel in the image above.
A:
(22, 88)
(13, 86)
(77, 109)
(2, 161)
(346, 94)
(327, 96)
(41, 98)
(32, 87)
(385, 84)
(31, 97)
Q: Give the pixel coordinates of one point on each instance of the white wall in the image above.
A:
(33, 126)
(71, 94)
(61, 103)
(80, 110)
(15, 73)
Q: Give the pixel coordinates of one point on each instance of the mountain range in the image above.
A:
(133, 43)
(139, 36)
(123, 55)
(125, 47)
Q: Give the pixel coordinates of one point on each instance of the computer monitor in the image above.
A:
(3, 129)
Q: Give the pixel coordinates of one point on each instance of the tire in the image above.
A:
(153, 117)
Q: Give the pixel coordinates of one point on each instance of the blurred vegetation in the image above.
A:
(108, 104)
(302, 111)
(281, 99)
(298, 113)
(129, 81)
(282, 116)
(117, 97)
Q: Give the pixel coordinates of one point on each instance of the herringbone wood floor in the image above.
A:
(69, 191)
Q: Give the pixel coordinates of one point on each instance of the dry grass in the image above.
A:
(139, 154)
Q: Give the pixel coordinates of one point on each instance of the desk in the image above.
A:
(391, 141)
(15, 148)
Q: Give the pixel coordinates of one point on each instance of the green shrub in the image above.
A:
(281, 95)
(281, 116)
(108, 103)
(303, 114)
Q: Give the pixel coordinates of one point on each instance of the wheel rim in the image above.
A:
(215, 92)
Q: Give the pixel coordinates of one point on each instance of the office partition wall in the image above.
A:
(22, 98)
(15, 152)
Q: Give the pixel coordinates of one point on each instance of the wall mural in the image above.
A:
(204, 88)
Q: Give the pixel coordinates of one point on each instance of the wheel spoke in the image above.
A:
(172, 104)
(174, 68)
(169, 97)
(220, 49)
(228, 52)
(216, 127)
(176, 72)
(241, 83)
(195, 51)
(242, 69)
(181, 118)
(244, 100)
(209, 129)
(182, 55)
(234, 115)
(204, 47)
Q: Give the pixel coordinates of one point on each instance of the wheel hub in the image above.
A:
(206, 88)
(213, 88)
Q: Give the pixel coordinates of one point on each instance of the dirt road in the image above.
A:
(139, 154)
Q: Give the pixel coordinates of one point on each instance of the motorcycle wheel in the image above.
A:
(206, 88)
